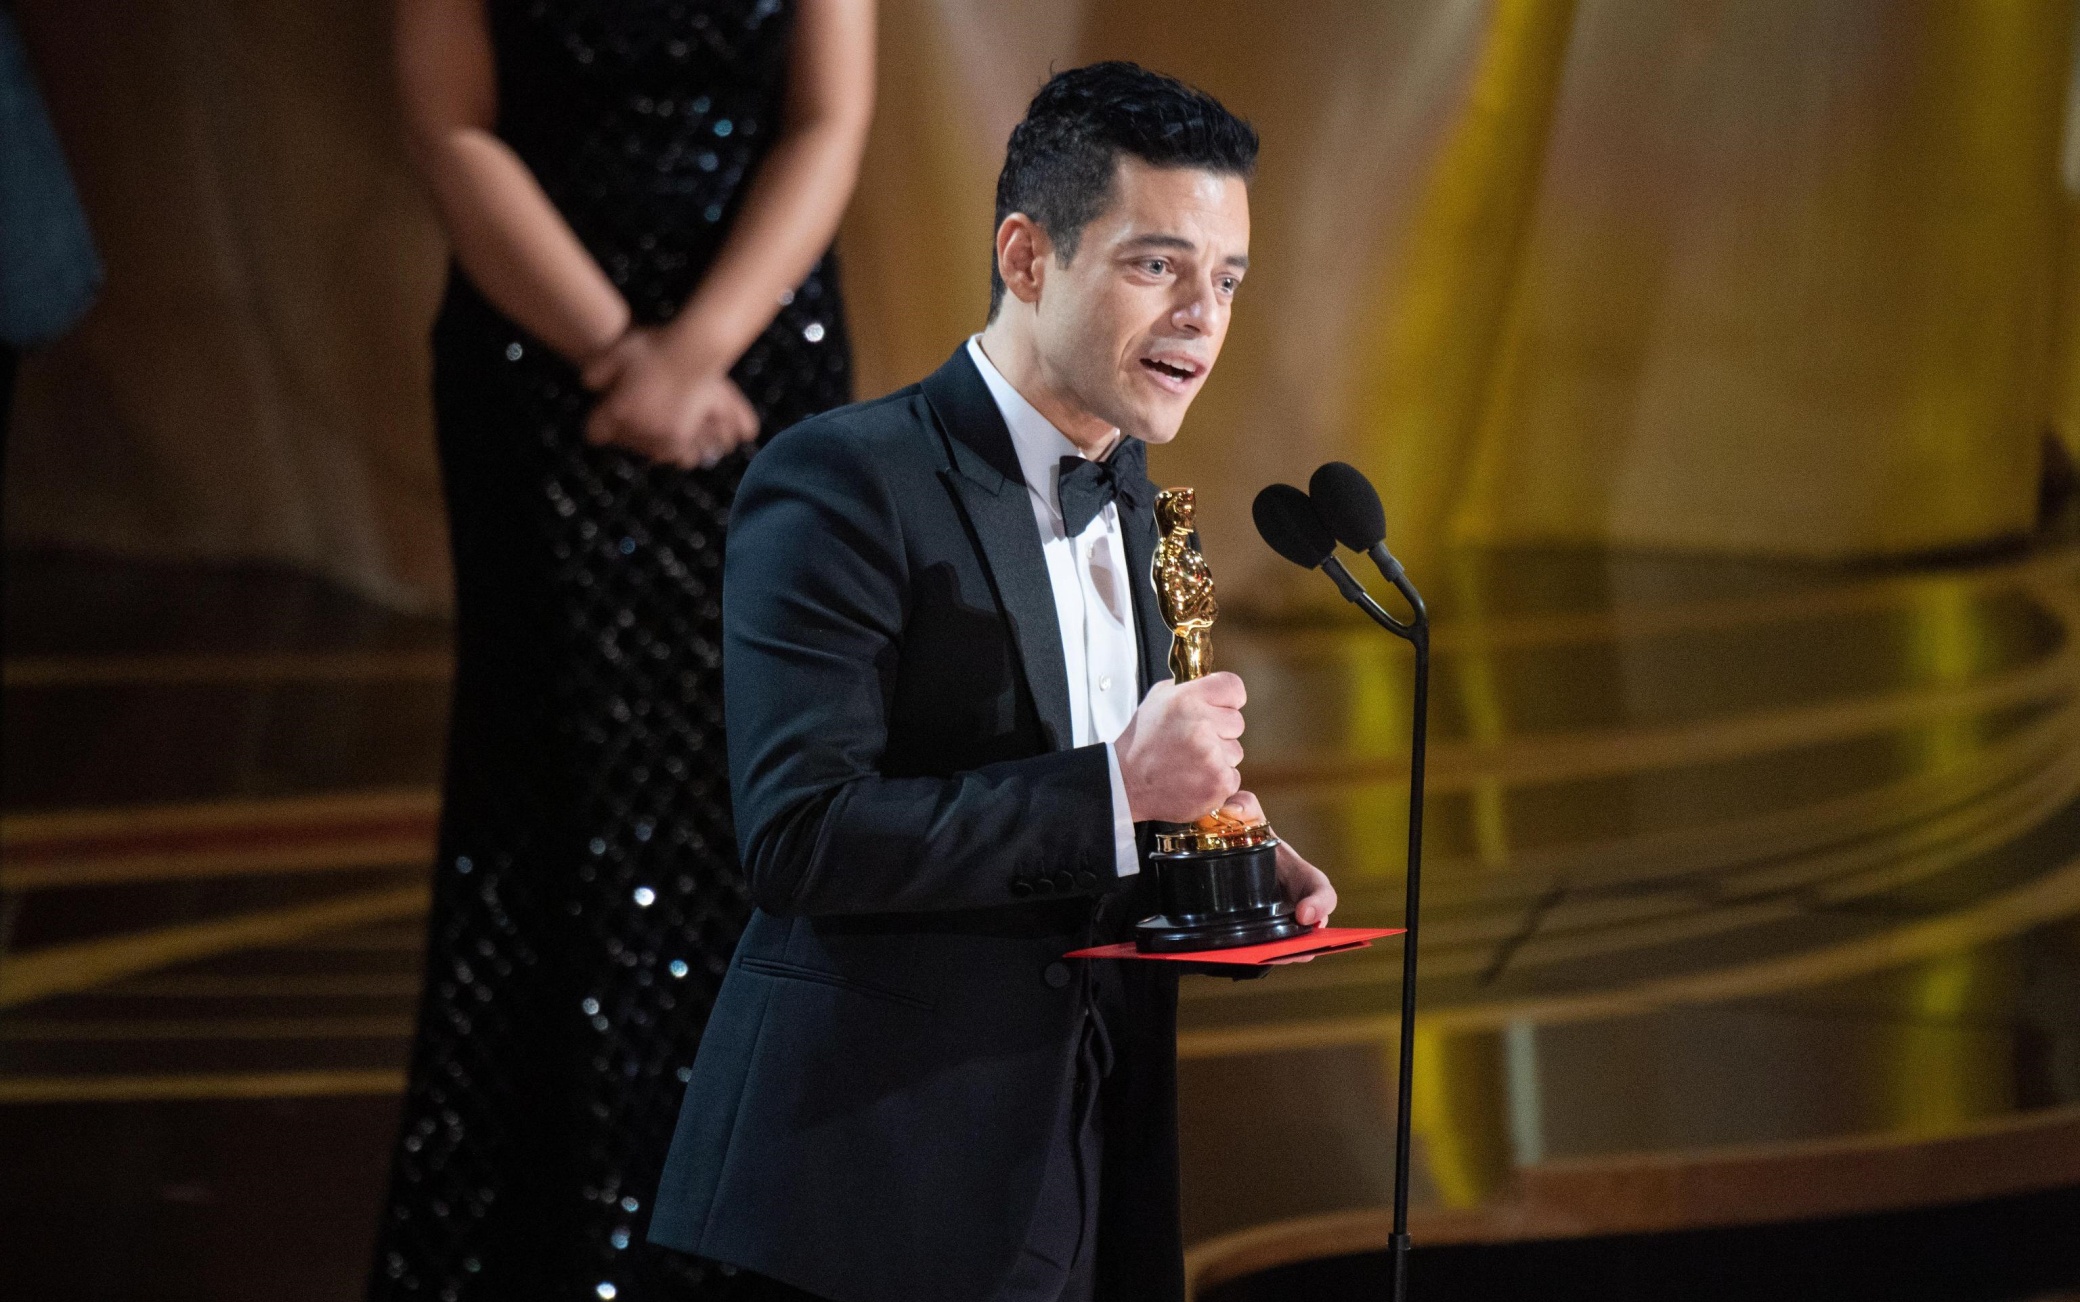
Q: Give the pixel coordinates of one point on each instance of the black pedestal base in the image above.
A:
(1217, 899)
(1159, 935)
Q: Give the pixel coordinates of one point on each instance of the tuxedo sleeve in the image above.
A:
(814, 601)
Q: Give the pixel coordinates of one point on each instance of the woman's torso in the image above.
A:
(643, 120)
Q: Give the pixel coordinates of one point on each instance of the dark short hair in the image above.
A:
(1059, 166)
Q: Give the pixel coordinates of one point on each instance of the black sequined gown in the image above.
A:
(587, 895)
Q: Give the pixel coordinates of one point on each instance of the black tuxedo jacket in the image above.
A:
(874, 1096)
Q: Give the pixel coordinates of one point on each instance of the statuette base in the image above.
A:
(1217, 899)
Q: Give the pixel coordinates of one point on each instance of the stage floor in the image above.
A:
(1753, 892)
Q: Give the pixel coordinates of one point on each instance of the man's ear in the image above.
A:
(1022, 252)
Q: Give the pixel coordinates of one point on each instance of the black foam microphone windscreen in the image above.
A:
(1348, 505)
(1288, 521)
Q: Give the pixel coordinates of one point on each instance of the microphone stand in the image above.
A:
(1417, 633)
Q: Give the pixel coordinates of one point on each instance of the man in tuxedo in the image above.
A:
(948, 712)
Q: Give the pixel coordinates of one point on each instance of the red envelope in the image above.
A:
(1322, 940)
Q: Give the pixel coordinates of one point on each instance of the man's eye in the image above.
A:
(1229, 284)
(1155, 266)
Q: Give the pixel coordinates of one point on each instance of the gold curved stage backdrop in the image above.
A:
(1681, 338)
(1753, 890)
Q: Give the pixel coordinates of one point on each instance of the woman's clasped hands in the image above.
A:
(665, 401)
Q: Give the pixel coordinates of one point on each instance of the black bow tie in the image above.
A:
(1086, 486)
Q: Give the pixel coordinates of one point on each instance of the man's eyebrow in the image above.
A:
(1157, 240)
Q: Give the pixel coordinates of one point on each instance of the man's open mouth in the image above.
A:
(1175, 370)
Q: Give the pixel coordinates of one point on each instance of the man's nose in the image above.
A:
(1192, 315)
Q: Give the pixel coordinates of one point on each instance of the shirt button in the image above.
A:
(1105, 683)
(1056, 975)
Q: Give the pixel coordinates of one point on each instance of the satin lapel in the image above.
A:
(1138, 532)
(984, 475)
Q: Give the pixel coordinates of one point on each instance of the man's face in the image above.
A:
(1132, 325)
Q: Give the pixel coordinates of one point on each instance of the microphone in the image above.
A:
(1292, 526)
(1348, 505)
(1288, 521)
(1350, 510)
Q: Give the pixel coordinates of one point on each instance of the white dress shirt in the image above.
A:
(1093, 595)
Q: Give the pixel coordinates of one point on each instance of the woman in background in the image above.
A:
(640, 195)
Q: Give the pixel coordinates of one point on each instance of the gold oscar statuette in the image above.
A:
(1217, 877)
(1184, 593)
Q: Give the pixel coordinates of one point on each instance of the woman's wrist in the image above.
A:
(697, 345)
(608, 326)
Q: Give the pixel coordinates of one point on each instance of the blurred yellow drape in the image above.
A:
(1795, 278)
(1790, 285)
(1766, 279)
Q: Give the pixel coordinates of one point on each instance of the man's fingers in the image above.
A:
(1180, 750)
(1243, 805)
(1220, 689)
(1316, 906)
(1308, 887)
(1319, 902)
